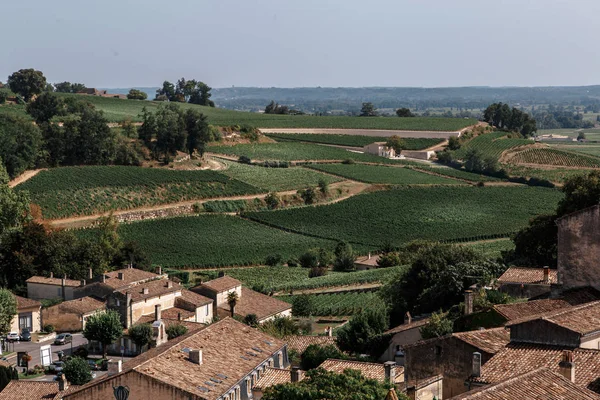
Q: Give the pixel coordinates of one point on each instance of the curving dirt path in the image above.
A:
(24, 177)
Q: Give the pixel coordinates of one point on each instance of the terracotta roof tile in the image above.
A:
(33, 390)
(580, 295)
(174, 312)
(583, 319)
(23, 302)
(299, 343)
(489, 340)
(516, 359)
(193, 299)
(405, 327)
(272, 377)
(222, 284)
(526, 309)
(192, 326)
(368, 370)
(53, 281)
(540, 383)
(156, 287)
(251, 302)
(82, 305)
(130, 276)
(527, 275)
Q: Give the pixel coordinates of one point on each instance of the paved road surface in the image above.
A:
(34, 349)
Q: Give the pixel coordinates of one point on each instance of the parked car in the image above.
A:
(12, 337)
(25, 335)
(63, 338)
(56, 366)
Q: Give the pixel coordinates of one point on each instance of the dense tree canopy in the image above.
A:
(20, 144)
(8, 310)
(105, 328)
(368, 110)
(404, 113)
(357, 335)
(320, 384)
(77, 371)
(27, 83)
(314, 355)
(68, 87)
(190, 91)
(13, 207)
(502, 116)
(135, 94)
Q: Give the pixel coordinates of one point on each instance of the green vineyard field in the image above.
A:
(433, 213)
(352, 140)
(383, 174)
(70, 191)
(342, 304)
(491, 145)
(547, 156)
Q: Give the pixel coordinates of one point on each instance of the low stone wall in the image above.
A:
(153, 214)
(420, 155)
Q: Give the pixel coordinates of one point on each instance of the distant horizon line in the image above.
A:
(371, 87)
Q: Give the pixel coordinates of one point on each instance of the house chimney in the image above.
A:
(104, 277)
(51, 274)
(145, 290)
(369, 255)
(178, 316)
(567, 366)
(546, 274)
(296, 374)
(476, 365)
(120, 276)
(63, 283)
(196, 356)
(62, 383)
(82, 282)
(169, 284)
(407, 318)
(159, 270)
(91, 274)
(329, 331)
(157, 312)
(114, 367)
(390, 372)
(468, 302)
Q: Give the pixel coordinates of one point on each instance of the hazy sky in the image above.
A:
(123, 43)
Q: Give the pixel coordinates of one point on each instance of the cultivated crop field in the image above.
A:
(116, 110)
(492, 248)
(587, 148)
(554, 175)
(276, 179)
(547, 156)
(457, 173)
(384, 175)
(214, 241)
(491, 145)
(352, 140)
(339, 304)
(281, 278)
(292, 151)
(70, 191)
(433, 213)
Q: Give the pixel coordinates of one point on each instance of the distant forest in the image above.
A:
(418, 99)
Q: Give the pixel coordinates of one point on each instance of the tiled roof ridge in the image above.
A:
(354, 362)
(552, 314)
(413, 324)
(455, 335)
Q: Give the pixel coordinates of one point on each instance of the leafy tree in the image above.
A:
(274, 259)
(402, 293)
(272, 200)
(581, 135)
(170, 131)
(314, 355)
(251, 320)
(176, 330)
(201, 95)
(302, 306)
(77, 87)
(232, 300)
(280, 327)
(148, 130)
(454, 143)
(13, 205)
(167, 90)
(358, 334)
(3, 96)
(8, 310)
(89, 140)
(6, 375)
(77, 371)
(323, 186)
(320, 384)
(27, 83)
(502, 116)
(390, 259)
(308, 195)
(105, 328)
(20, 144)
(344, 257)
(368, 110)
(198, 133)
(475, 161)
(404, 113)
(63, 87)
(45, 107)
(439, 325)
(135, 94)
(397, 143)
(140, 334)
(274, 108)
(310, 259)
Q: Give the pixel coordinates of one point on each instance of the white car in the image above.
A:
(13, 337)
